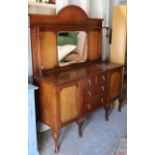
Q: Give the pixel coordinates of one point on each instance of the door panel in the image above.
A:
(68, 103)
(115, 84)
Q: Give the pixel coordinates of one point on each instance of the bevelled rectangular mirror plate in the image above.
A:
(72, 47)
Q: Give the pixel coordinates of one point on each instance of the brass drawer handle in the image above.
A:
(89, 82)
(103, 77)
(88, 106)
(102, 100)
(89, 93)
(102, 88)
(42, 67)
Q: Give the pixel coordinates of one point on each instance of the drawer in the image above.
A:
(88, 83)
(88, 95)
(100, 89)
(98, 101)
(101, 100)
(88, 100)
(87, 107)
(101, 79)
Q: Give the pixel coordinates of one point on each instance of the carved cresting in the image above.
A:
(69, 16)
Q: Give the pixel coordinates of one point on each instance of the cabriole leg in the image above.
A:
(80, 123)
(107, 111)
(56, 134)
(107, 114)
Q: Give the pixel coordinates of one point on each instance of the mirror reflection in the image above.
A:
(71, 47)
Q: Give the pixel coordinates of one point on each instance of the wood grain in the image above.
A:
(46, 105)
(69, 16)
(36, 62)
(93, 45)
(69, 106)
(67, 94)
(115, 84)
(48, 50)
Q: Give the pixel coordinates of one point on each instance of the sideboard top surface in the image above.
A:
(67, 76)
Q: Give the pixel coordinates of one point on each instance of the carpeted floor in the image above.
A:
(99, 137)
(121, 149)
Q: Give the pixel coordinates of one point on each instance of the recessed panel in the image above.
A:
(68, 103)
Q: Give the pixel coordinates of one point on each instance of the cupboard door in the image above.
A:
(115, 84)
(69, 103)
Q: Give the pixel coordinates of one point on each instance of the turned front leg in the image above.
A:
(56, 134)
(80, 123)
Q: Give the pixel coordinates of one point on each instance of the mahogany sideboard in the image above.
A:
(66, 94)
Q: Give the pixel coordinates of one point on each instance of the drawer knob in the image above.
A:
(102, 100)
(103, 77)
(88, 106)
(89, 93)
(89, 82)
(102, 88)
(42, 67)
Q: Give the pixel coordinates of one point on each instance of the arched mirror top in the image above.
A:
(68, 16)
